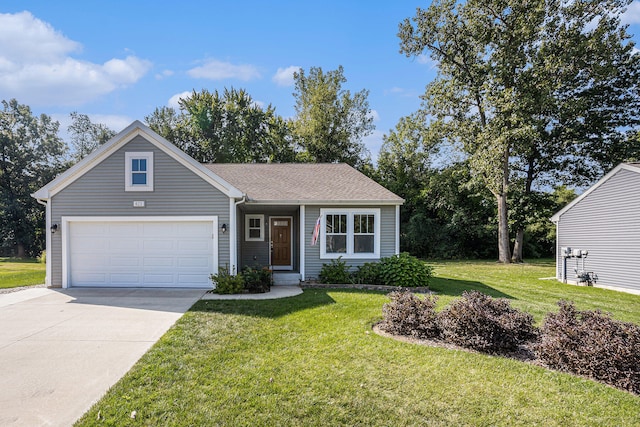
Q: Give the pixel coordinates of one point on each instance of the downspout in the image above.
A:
(233, 238)
(47, 246)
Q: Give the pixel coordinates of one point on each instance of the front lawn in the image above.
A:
(313, 360)
(16, 272)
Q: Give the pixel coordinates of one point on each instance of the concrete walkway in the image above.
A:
(275, 292)
(61, 350)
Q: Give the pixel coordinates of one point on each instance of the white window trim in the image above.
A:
(249, 217)
(350, 234)
(128, 185)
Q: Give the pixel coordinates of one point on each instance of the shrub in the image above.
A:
(43, 257)
(484, 323)
(368, 273)
(257, 279)
(407, 314)
(591, 343)
(227, 283)
(403, 270)
(336, 272)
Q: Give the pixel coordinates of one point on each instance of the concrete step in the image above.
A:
(285, 278)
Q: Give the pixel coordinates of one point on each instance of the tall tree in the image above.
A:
(86, 136)
(227, 127)
(31, 154)
(533, 91)
(330, 122)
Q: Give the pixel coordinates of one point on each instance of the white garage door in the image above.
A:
(141, 253)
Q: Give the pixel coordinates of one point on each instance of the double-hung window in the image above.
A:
(254, 228)
(350, 233)
(138, 171)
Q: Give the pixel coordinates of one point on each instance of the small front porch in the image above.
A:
(269, 236)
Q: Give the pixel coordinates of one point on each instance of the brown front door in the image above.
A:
(281, 242)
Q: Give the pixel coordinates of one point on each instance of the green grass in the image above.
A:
(16, 272)
(313, 360)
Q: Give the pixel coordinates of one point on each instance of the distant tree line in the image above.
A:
(530, 100)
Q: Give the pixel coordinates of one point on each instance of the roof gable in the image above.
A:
(121, 139)
(304, 183)
(632, 167)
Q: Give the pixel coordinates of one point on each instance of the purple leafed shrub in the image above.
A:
(483, 323)
(592, 344)
(410, 315)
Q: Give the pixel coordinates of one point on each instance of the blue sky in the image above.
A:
(118, 60)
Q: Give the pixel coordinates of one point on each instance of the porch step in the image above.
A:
(285, 278)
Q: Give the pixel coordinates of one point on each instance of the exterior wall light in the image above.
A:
(223, 228)
(54, 228)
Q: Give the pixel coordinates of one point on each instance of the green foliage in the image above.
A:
(330, 122)
(336, 272)
(533, 92)
(43, 257)
(227, 127)
(32, 155)
(404, 270)
(407, 314)
(592, 344)
(368, 274)
(227, 283)
(256, 279)
(86, 136)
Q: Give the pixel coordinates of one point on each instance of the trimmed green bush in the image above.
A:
(483, 323)
(368, 274)
(227, 283)
(257, 279)
(407, 314)
(592, 344)
(336, 273)
(403, 270)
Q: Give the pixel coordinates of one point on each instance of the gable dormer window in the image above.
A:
(138, 171)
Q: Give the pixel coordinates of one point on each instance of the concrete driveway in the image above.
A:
(61, 350)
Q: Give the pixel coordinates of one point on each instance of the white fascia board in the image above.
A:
(555, 218)
(134, 129)
(326, 202)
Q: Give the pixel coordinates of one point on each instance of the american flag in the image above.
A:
(316, 233)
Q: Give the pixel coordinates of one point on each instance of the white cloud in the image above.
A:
(37, 69)
(632, 15)
(374, 115)
(284, 76)
(173, 101)
(373, 142)
(218, 70)
(114, 122)
(164, 74)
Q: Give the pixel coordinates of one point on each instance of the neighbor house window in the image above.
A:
(350, 233)
(139, 171)
(254, 228)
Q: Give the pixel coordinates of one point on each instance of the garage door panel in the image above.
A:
(139, 254)
(124, 262)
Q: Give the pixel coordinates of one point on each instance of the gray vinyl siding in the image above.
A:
(100, 192)
(605, 222)
(313, 263)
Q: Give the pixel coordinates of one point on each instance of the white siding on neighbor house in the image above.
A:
(313, 263)
(606, 222)
(101, 192)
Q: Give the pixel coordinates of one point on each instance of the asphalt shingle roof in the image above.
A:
(303, 183)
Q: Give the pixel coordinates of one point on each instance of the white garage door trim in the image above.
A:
(66, 238)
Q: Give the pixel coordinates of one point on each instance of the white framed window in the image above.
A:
(254, 228)
(138, 171)
(350, 233)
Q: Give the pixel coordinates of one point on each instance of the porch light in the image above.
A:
(223, 228)
(54, 228)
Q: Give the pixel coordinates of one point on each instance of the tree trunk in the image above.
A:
(517, 246)
(21, 251)
(504, 254)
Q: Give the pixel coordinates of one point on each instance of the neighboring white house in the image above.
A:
(603, 224)
(139, 212)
